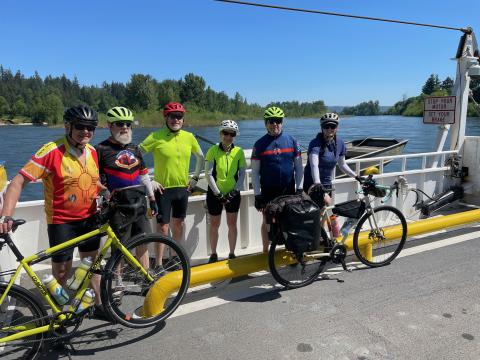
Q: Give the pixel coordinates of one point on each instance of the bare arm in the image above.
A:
(11, 198)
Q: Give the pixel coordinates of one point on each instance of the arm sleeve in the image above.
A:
(298, 172)
(145, 179)
(241, 179)
(147, 145)
(242, 165)
(314, 162)
(209, 177)
(345, 168)
(256, 176)
(198, 161)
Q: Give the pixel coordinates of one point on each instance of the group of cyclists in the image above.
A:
(74, 173)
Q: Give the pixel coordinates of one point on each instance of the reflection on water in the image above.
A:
(18, 143)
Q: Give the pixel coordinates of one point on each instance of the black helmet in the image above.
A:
(81, 114)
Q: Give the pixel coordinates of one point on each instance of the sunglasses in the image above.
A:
(227, 133)
(275, 121)
(175, 116)
(121, 124)
(329, 126)
(81, 127)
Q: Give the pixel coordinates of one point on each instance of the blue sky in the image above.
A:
(265, 54)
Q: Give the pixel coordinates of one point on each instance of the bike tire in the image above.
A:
(294, 275)
(384, 250)
(123, 304)
(19, 308)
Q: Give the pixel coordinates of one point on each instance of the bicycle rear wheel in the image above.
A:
(386, 230)
(124, 287)
(288, 271)
(20, 311)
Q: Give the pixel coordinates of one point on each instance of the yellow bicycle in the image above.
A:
(24, 322)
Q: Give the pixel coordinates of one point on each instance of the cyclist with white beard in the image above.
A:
(121, 164)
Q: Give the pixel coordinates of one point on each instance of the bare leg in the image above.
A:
(61, 270)
(214, 224)
(232, 230)
(178, 225)
(162, 229)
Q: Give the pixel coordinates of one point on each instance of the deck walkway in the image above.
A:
(425, 305)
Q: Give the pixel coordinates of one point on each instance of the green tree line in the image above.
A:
(413, 106)
(44, 100)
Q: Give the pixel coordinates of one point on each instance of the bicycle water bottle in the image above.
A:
(57, 291)
(334, 226)
(77, 278)
(87, 301)
(347, 225)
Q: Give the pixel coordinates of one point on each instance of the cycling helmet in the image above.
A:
(173, 107)
(119, 113)
(229, 125)
(82, 114)
(329, 118)
(273, 112)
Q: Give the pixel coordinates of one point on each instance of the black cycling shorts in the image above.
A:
(60, 233)
(215, 207)
(174, 202)
(268, 194)
(141, 225)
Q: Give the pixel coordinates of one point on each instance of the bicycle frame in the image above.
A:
(112, 241)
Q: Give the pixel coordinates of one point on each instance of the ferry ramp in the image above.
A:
(423, 306)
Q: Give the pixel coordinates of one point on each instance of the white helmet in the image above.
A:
(229, 125)
(329, 118)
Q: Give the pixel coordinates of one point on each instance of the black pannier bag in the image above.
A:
(294, 221)
(352, 209)
(129, 203)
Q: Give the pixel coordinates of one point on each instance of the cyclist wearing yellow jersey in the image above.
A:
(172, 148)
(225, 170)
(68, 168)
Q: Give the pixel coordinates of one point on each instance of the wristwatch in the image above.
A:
(195, 178)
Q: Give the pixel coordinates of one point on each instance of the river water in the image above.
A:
(18, 143)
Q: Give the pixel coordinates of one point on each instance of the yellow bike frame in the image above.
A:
(112, 240)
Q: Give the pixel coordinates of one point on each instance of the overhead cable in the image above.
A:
(464, 30)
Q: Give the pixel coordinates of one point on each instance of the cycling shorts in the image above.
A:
(215, 207)
(60, 233)
(173, 202)
(141, 225)
(268, 194)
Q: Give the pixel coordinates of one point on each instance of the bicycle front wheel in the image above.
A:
(124, 286)
(20, 311)
(292, 272)
(386, 230)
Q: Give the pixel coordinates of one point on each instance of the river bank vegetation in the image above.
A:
(37, 100)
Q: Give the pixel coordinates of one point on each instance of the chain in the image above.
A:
(76, 320)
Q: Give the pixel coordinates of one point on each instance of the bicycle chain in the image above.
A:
(52, 317)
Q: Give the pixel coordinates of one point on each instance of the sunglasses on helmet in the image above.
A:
(121, 124)
(329, 126)
(82, 127)
(275, 120)
(228, 133)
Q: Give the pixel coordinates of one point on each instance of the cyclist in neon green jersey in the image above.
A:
(225, 171)
(172, 148)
